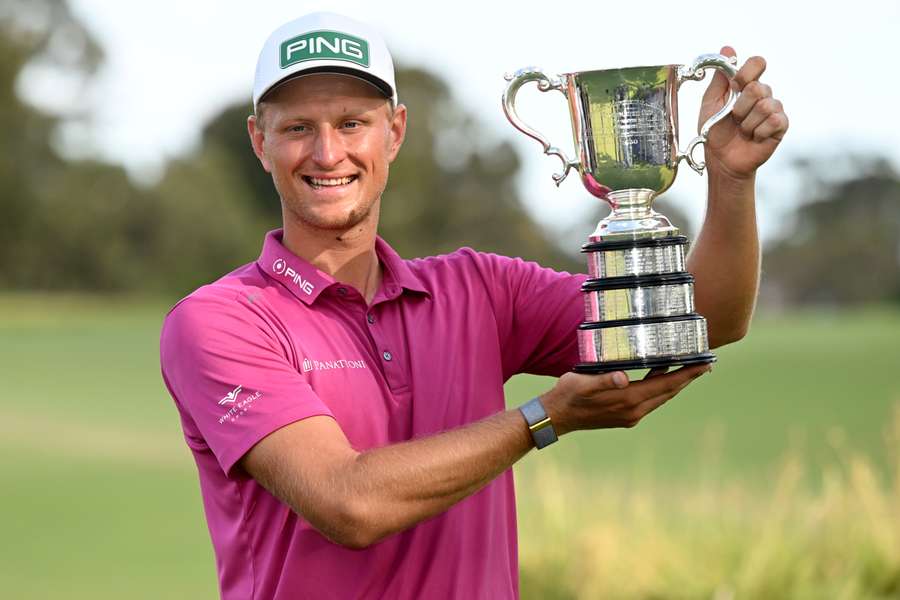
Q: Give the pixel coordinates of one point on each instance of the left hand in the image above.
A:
(741, 143)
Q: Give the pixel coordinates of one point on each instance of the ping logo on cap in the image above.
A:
(324, 44)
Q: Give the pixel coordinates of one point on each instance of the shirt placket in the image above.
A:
(388, 347)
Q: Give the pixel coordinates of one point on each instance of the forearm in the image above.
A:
(400, 485)
(725, 258)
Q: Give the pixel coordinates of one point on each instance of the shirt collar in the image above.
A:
(397, 274)
(299, 277)
(306, 282)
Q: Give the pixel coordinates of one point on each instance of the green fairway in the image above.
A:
(100, 492)
(806, 382)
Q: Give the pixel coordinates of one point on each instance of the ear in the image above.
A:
(257, 140)
(398, 131)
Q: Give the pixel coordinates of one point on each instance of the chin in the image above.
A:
(333, 220)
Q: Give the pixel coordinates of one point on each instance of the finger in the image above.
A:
(719, 84)
(753, 93)
(751, 71)
(661, 384)
(654, 372)
(648, 405)
(762, 110)
(773, 127)
(586, 385)
(652, 403)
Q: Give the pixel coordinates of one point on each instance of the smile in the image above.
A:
(320, 182)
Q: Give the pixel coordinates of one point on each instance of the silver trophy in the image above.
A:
(639, 300)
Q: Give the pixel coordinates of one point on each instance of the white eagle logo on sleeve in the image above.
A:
(231, 396)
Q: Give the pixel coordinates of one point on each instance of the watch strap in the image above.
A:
(539, 423)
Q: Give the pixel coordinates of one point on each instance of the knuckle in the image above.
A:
(772, 121)
(784, 122)
(572, 382)
(769, 106)
(746, 127)
(753, 89)
(606, 382)
(739, 112)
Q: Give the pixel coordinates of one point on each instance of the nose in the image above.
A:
(329, 148)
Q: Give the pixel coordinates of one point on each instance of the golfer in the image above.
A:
(345, 405)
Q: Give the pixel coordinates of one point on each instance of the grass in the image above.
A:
(716, 538)
(809, 382)
(776, 476)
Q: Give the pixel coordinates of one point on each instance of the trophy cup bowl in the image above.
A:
(639, 300)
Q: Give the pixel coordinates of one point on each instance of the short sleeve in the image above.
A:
(230, 376)
(537, 310)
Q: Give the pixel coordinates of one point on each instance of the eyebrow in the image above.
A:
(344, 113)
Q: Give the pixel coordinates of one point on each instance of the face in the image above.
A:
(328, 141)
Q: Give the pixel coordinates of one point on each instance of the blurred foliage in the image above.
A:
(82, 224)
(844, 248)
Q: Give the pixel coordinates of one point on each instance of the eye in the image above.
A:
(296, 128)
(352, 125)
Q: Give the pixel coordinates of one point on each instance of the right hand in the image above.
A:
(600, 401)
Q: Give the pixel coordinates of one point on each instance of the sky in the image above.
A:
(170, 65)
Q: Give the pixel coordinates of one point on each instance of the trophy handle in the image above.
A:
(696, 72)
(545, 83)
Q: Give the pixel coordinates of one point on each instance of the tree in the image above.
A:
(26, 32)
(845, 247)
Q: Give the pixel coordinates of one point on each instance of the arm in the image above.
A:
(358, 498)
(725, 258)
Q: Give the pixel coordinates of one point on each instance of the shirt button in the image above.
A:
(342, 291)
(387, 355)
(370, 318)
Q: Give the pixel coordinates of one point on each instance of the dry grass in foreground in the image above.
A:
(593, 538)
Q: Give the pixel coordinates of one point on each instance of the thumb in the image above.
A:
(719, 85)
(590, 384)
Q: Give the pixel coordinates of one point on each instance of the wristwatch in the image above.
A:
(539, 423)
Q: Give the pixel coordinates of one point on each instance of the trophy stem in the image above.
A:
(637, 200)
(632, 218)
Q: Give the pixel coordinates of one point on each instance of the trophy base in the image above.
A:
(644, 363)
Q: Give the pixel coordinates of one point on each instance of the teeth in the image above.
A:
(330, 182)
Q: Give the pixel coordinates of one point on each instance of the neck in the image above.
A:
(347, 255)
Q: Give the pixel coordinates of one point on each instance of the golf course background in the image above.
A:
(775, 476)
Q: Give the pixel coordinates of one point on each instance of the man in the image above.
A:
(345, 406)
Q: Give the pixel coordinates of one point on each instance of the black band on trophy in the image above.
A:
(673, 240)
(643, 363)
(635, 281)
(640, 321)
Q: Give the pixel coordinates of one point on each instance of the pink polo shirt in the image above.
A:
(276, 341)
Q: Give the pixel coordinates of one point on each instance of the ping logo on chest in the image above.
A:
(324, 44)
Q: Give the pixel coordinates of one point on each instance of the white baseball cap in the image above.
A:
(324, 42)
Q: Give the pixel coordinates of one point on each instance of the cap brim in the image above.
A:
(379, 84)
